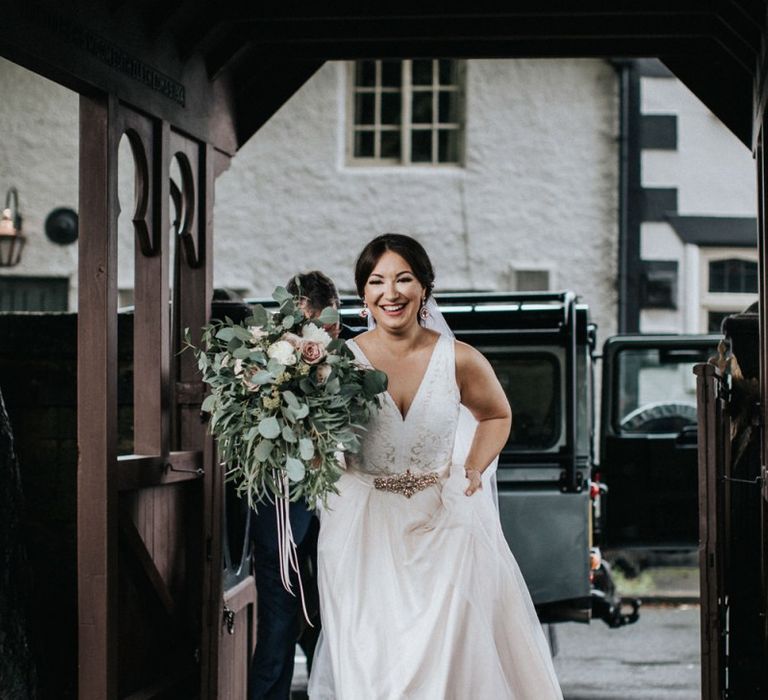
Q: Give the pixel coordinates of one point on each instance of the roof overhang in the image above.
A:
(219, 71)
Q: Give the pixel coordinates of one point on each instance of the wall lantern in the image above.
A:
(11, 238)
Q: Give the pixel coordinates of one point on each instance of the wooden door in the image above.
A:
(148, 557)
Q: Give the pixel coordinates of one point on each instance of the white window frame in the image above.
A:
(406, 90)
(721, 301)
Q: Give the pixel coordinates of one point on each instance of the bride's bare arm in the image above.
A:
(482, 394)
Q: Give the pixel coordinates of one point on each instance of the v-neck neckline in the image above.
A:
(416, 395)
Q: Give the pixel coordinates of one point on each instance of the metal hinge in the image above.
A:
(229, 619)
(754, 482)
(197, 470)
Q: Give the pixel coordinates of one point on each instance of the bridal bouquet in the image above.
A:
(285, 400)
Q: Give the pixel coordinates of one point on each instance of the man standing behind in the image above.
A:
(279, 617)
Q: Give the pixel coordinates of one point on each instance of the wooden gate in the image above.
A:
(714, 464)
(148, 522)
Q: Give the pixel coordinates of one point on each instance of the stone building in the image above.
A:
(498, 166)
(698, 235)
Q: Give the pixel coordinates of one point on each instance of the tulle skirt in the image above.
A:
(421, 598)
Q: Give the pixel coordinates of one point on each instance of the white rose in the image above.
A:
(238, 367)
(315, 334)
(323, 372)
(257, 333)
(283, 352)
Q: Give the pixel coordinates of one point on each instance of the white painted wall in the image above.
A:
(538, 187)
(714, 174)
(39, 156)
(713, 171)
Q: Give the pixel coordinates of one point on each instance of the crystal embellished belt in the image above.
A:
(406, 483)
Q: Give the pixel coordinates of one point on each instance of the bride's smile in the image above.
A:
(393, 293)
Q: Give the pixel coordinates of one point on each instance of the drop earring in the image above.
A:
(424, 311)
(364, 311)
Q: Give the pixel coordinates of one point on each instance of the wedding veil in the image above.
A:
(465, 431)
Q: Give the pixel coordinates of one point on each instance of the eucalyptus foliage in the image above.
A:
(285, 399)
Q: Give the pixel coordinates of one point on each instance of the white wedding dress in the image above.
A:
(421, 597)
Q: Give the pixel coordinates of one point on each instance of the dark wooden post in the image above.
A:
(97, 398)
(762, 247)
(18, 675)
(714, 467)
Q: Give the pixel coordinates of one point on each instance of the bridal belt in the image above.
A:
(406, 483)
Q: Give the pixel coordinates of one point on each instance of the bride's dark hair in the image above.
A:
(406, 247)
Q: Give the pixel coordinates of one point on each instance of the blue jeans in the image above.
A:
(278, 610)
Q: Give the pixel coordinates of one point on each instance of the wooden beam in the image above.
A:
(130, 535)
(723, 86)
(97, 399)
(262, 92)
(151, 325)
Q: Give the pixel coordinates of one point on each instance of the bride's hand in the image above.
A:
(475, 481)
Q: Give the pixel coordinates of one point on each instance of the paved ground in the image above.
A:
(657, 658)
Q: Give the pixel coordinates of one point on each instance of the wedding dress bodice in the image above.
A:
(423, 439)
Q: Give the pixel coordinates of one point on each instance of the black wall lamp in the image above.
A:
(12, 240)
(61, 226)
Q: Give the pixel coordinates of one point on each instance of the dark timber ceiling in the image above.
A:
(237, 63)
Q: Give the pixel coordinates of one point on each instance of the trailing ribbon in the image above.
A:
(286, 546)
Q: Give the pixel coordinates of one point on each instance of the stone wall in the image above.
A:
(538, 187)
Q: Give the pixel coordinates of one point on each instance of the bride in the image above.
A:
(420, 595)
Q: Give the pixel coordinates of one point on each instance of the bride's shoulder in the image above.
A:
(361, 340)
(469, 361)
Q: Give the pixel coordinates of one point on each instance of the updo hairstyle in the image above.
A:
(407, 248)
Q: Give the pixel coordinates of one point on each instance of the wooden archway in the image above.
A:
(199, 79)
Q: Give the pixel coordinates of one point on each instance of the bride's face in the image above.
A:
(393, 293)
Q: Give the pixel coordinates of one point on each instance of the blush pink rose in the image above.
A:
(312, 352)
(293, 339)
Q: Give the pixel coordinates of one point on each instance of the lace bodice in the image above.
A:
(424, 439)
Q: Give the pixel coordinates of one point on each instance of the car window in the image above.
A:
(656, 389)
(532, 384)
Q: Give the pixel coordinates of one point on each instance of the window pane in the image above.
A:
(657, 389)
(421, 146)
(421, 72)
(531, 280)
(390, 108)
(390, 144)
(391, 73)
(750, 278)
(448, 146)
(365, 108)
(448, 107)
(421, 108)
(532, 385)
(363, 144)
(448, 72)
(716, 277)
(715, 320)
(365, 73)
(733, 276)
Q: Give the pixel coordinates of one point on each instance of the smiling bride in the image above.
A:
(420, 595)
